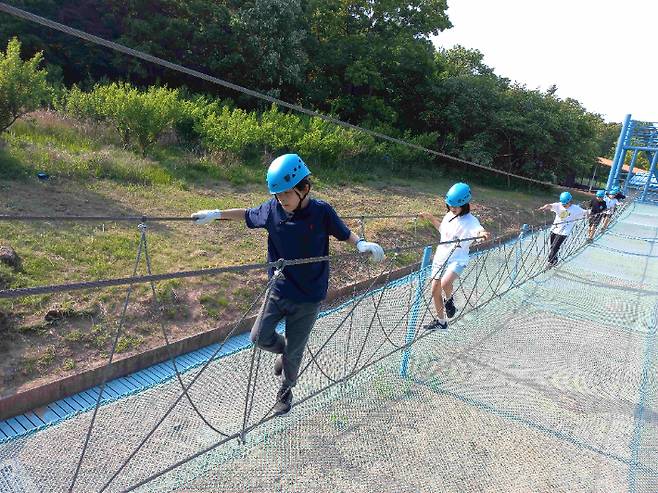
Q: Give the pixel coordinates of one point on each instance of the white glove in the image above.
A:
(206, 216)
(375, 250)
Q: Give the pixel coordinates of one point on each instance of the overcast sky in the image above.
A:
(600, 52)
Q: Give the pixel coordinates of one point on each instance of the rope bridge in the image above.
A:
(546, 380)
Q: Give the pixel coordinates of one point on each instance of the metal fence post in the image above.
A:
(517, 252)
(621, 143)
(415, 309)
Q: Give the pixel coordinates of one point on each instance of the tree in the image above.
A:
(465, 101)
(459, 60)
(371, 61)
(75, 60)
(194, 33)
(273, 35)
(23, 86)
(607, 135)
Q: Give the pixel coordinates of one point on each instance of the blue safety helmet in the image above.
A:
(600, 193)
(565, 198)
(458, 195)
(285, 172)
(614, 191)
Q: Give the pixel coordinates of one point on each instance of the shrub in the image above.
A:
(219, 128)
(23, 86)
(139, 117)
(82, 105)
(191, 114)
(230, 130)
(280, 132)
(404, 157)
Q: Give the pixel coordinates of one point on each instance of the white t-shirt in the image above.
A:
(610, 204)
(466, 226)
(565, 219)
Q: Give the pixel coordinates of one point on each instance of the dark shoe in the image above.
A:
(283, 401)
(589, 240)
(278, 366)
(450, 308)
(436, 325)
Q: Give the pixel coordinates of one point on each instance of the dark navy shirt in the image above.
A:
(597, 207)
(304, 234)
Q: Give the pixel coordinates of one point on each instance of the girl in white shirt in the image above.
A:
(566, 215)
(610, 202)
(450, 259)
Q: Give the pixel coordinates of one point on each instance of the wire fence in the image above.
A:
(227, 402)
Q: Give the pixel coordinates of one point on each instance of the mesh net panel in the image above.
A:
(547, 380)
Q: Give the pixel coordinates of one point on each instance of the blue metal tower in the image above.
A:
(636, 136)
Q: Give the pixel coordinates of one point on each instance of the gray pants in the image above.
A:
(300, 318)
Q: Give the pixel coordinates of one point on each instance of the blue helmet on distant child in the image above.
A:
(600, 193)
(285, 172)
(565, 198)
(614, 191)
(458, 195)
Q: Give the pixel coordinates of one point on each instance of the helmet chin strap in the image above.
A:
(301, 198)
(462, 212)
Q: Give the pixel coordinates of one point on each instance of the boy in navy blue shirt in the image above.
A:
(596, 209)
(298, 227)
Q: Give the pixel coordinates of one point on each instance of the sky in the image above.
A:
(600, 52)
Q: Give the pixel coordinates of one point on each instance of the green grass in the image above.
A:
(406, 258)
(11, 167)
(49, 143)
(50, 130)
(51, 249)
(119, 166)
(128, 342)
(98, 337)
(171, 304)
(214, 304)
(35, 365)
(55, 146)
(76, 335)
(37, 329)
(7, 276)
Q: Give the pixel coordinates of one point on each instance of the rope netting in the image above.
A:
(547, 380)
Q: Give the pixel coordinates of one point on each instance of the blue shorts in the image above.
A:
(456, 267)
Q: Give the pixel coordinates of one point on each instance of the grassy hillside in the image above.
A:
(46, 337)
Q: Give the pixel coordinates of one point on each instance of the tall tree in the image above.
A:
(68, 57)
(23, 85)
(367, 56)
(274, 34)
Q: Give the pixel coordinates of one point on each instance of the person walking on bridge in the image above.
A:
(451, 259)
(597, 208)
(611, 202)
(298, 227)
(566, 215)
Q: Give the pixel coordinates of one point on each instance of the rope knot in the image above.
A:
(278, 268)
